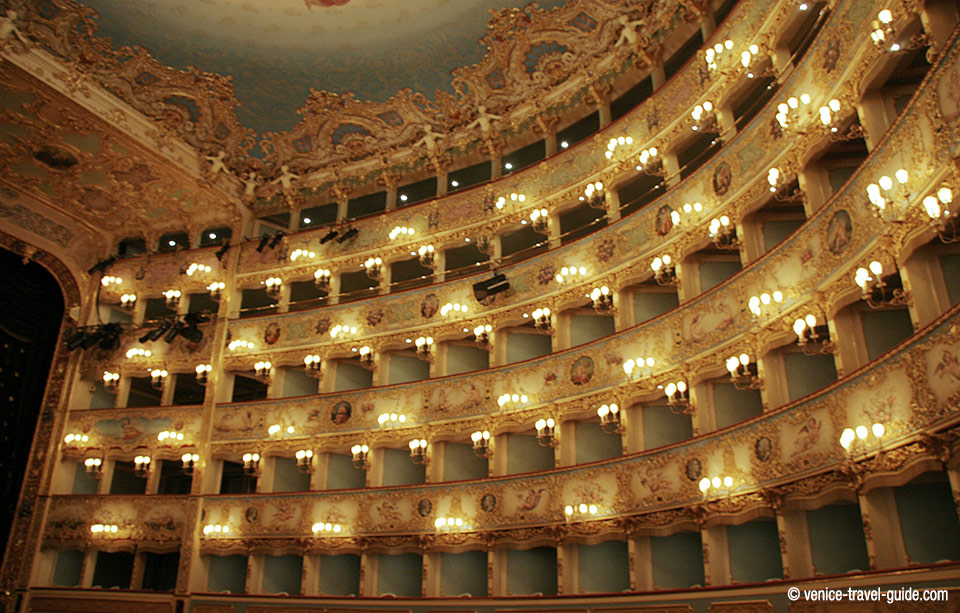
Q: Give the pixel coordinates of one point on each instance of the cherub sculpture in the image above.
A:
(628, 35)
(286, 178)
(429, 140)
(216, 163)
(250, 183)
(485, 121)
(8, 28)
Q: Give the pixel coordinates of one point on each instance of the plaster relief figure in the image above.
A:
(429, 140)
(285, 179)
(485, 121)
(250, 184)
(628, 35)
(8, 28)
(216, 164)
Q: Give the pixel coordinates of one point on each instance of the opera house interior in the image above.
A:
(480, 305)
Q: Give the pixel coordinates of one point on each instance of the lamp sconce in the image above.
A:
(128, 301)
(75, 439)
(216, 290)
(340, 329)
(169, 437)
(688, 209)
(111, 381)
(546, 432)
(109, 280)
(539, 220)
(853, 438)
(418, 451)
(514, 398)
(724, 233)
(391, 419)
(373, 267)
(203, 373)
(321, 279)
(94, 467)
(649, 162)
(173, 298)
(99, 529)
(312, 366)
(664, 271)
(251, 464)
(678, 397)
(141, 466)
(453, 307)
(360, 455)
(216, 530)
(813, 337)
(713, 56)
(481, 335)
(188, 462)
(424, 347)
(541, 320)
(514, 197)
(158, 378)
(195, 268)
(885, 192)
(602, 299)
(296, 254)
(765, 304)
(366, 357)
(327, 527)
(262, 371)
(884, 35)
(704, 116)
(426, 255)
(610, 418)
(795, 113)
(448, 523)
(273, 285)
(305, 461)
(743, 373)
(639, 366)
(580, 511)
(715, 485)
(278, 431)
(594, 195)
(570, 273)
(138, 352)
(779, 187)
(941, 218)
(401, 231)
(616, 142)
(875, 291)
(482, 445)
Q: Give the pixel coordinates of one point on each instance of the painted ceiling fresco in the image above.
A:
(275, 52)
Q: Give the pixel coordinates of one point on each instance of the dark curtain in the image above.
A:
(31, 309)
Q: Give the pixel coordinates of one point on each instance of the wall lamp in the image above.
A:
(678, 397)
(481, 335)
(602, 299)
(610, 418)
(360, 454)
(546, 432)
(251, 464)
(874, 289)
(664, 271)
(418, 451)
(203, 373)
(172, 298)
(188, 462)
(305, 460)
(216, 290)
(744, 373)
(813, 337)
(321, 279)
(111, 381)
(482, 445)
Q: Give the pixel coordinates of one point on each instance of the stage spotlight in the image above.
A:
(174, 331)
(348, 235)
(110, 338)
(92, 339)
(329, 236)
(276, 239)
(157, 332)
(498, 283)
(263, 242)
(222, 251)
(192, 334)
(102, 265)
(75, 340)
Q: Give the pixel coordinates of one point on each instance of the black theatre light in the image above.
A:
(222, 251)
(75, 340)
(110, 337)
(498, 283)
(157, 332)
(174, 331)
(263, 242)
(276, 239)
(329, 236)
(348, 235)
(92, 338)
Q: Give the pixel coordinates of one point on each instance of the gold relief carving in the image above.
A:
(668, 608)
